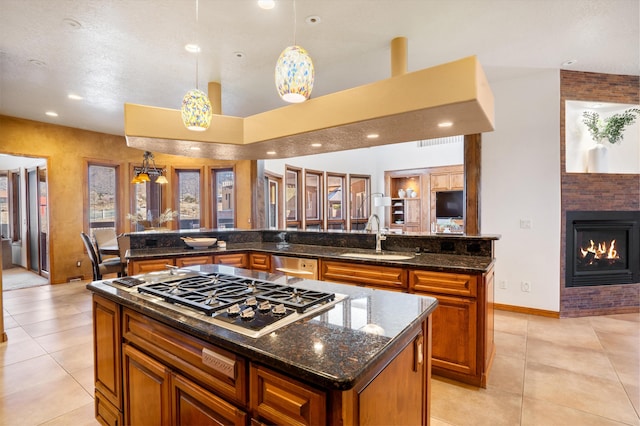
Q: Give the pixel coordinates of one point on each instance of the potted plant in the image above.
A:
(612, 127)
(610, 130)
(150, 222)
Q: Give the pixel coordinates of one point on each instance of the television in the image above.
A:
(449, 204)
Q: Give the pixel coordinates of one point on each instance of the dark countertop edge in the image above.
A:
(430, 261)
(311, 231)
(316, 378)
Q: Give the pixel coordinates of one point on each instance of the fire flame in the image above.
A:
(601, 251)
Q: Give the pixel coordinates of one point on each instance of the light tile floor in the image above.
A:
(582, 371)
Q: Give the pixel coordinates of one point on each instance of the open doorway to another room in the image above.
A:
(24, 221)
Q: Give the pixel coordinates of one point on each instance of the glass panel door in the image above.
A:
(313, 199)
(359, 200)
(335, 201)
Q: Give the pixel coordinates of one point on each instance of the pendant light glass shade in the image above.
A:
(294, 75)
(196, 110)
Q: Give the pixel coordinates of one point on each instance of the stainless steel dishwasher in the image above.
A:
(296, 267)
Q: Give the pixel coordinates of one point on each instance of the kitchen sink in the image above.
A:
(379, 256)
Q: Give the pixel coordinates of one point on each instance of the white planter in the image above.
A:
(598, 159)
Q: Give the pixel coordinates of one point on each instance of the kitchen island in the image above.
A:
(458, 270)
(363, 359)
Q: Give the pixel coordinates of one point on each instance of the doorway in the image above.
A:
(25, 219)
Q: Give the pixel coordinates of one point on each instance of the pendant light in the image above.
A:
(196, 107)
(294, 71)
(147, 170)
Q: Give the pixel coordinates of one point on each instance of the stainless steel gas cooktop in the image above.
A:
(245, 305)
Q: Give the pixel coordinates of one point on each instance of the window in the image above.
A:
(224, 196)
(292, 197)
(313, 199)
(188, 184)
(359, 190)
(102, 195)
(336, 212)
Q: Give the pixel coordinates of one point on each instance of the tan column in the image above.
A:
(398, 56)
(215, 97)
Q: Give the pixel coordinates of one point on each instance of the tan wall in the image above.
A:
(66, 150)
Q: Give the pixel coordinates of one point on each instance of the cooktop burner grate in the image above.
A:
(214, 293)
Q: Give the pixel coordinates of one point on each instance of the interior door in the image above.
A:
(38, 221)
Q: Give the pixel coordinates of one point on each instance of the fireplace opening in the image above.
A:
(602, 248)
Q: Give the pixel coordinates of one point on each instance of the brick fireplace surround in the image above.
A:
(596, 191)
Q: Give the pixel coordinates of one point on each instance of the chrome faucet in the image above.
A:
(379, 235)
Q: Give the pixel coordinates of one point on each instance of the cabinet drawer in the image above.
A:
(281, 400)
(237, 260)
(386, 277)
(222, 372)
(143, 266)
(182, 262)
(106, 413)
(443, 283)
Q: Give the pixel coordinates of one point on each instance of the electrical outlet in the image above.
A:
(79, 263)
(525, 223)
(525, 286)
(502, 284)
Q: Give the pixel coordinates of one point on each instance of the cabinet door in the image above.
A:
(194, 405)
(455, 334)
(278, 399)
(143, 266)
(146, 389)
(440, 181)
(457, 180)
(107, 338)
(193, 260)
(260, 262)
(412, 214)
(237, 260)
(408, 375)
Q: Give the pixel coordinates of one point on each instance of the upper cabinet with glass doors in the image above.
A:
(313, 199)
(224, 198)
(336, 208)
(359, 200)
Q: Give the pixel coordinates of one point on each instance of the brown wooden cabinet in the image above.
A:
(182, 262)
(463, 344)
(150, 265)
(169, 377)
(260, 262)
(237, 260)
(278, 399)
(106, 360)
(386, 277)
(405, 213)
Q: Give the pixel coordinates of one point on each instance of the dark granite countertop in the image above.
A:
(327, 349)
(431, 261)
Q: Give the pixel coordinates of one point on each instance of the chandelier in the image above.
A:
(147, 170)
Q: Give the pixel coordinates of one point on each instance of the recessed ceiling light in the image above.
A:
(51, 113)
(266, 4)
(316, 145)
(239, 55)
(569, 62)
(313, 19)
(74, 97)
(194, 148)
(445, 124)
(373, 136)
(271, 153)
(192, 48)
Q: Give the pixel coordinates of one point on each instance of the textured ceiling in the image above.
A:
(112, 52)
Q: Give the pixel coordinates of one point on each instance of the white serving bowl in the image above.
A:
(199, 242)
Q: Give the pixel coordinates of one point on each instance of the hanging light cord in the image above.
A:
(197, 43)
(295, 23)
